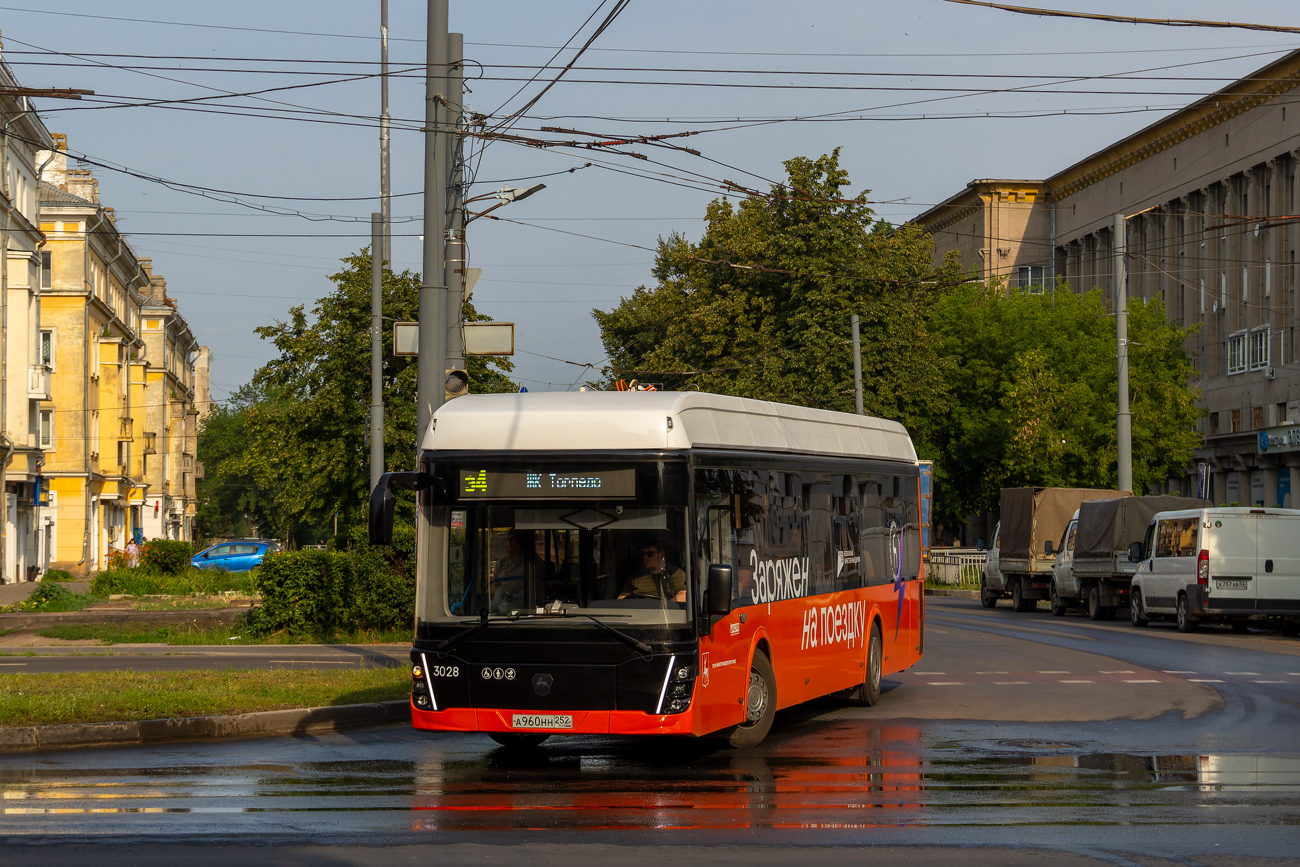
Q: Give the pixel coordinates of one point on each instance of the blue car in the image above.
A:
(237, 555)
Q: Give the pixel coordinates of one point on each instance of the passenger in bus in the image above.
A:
(659, 579)
(508, 573)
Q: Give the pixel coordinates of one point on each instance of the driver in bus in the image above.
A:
(507, 585)
(659, 579)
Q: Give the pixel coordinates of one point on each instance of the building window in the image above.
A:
(1257, 418)
(1259, 348)
(1281, 413)
(1214, 424)
(1237, 354)
(1030, 278)
(47, 348)
(1236, 421)
(46, 270)
(47, 428)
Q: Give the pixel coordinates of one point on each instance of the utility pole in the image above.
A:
(857, 367)
(454, 273)
(1124, 420)
(385, 177)
(376, 350)
(431, 376)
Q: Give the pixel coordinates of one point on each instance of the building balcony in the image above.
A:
(38, 382)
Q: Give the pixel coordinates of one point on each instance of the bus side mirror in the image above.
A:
(1135, 552)
(1047, 547)
(383, 501)
(719, 589)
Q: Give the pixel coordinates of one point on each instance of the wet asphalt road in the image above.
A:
(1034, 739)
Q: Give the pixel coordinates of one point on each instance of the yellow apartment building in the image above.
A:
(117, 430)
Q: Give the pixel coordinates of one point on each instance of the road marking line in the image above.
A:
(1244, 673)
(1140, 681)
(316, 661)
(1270, 681)
(1010, 683)
(929, 673)
(13, 663)
(1202, 680)
(1053, 672)
(1118, 672)
(992, 672)
(1076, 681)
(1167, 671)
(945, 683)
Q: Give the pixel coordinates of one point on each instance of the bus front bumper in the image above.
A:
(581, 722)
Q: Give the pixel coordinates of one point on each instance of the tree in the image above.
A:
(760, 307)
(1033, 394)
(303, 419)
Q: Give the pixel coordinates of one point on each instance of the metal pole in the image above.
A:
(385, 177)
(857, 366)
(454, 269)
(1124, 420)
(376, 351)
(431, 375)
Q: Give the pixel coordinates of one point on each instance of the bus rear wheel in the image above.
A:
(512, 741)
(760, 705)
(867, 693)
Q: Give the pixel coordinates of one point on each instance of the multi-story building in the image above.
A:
(1212, 227)
(24, 374)
(120, 414)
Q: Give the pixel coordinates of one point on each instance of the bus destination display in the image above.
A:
(592, 484)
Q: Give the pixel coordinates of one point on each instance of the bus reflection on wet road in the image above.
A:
(812, 775)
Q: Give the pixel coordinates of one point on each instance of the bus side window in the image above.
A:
(818, 535)
(846, 538)
(457, 593)
(874, 531)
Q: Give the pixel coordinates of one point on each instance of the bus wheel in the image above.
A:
(987, 597)
(867, 693)
(1135, 613)
(512, 741)
(760, 705)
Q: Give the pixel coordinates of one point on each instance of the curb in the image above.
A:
(208, 616)
(272, 723)
(964, 594)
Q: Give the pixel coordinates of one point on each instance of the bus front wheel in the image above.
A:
(867, 694)
(760, 704)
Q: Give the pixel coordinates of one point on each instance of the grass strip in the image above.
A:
(182, 634)
(4, 632)
(125, 696)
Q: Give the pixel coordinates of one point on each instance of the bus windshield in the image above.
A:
(605, 540)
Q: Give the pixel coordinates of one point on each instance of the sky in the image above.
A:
(269, 192)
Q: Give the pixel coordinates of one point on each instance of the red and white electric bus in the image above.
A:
(655, 563)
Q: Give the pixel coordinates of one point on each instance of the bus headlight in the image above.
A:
(417, 672)
(421, 700)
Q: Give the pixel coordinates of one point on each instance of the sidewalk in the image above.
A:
(18, 592)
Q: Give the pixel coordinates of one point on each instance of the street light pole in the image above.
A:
(857, 366)
(1123, 418)
(376, 351)
(430, 373)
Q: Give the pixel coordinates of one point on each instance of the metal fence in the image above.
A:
(957, 566)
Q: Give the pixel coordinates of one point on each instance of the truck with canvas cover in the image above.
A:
(1093, 569)
(1033, 520)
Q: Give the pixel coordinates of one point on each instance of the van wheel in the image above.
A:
(867, 693)
(987, 597)
(1186, 623)
(760, 705)
(1135, 615)
(1058, 607)
(1018, 600)
(517, 742)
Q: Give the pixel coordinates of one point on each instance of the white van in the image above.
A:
(1221, 565)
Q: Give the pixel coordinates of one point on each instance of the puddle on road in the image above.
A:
(840, 775)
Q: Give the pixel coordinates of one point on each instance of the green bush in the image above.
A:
(167, 555)
(151, 581)
(51, 597)
(316, 592)
(58, 575)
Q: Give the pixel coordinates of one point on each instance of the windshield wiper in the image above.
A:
(448, 642)
(622, 636)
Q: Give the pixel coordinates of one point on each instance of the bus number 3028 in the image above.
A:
(444, 671)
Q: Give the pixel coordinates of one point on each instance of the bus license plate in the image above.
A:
(1230, 585)
(541, 721)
